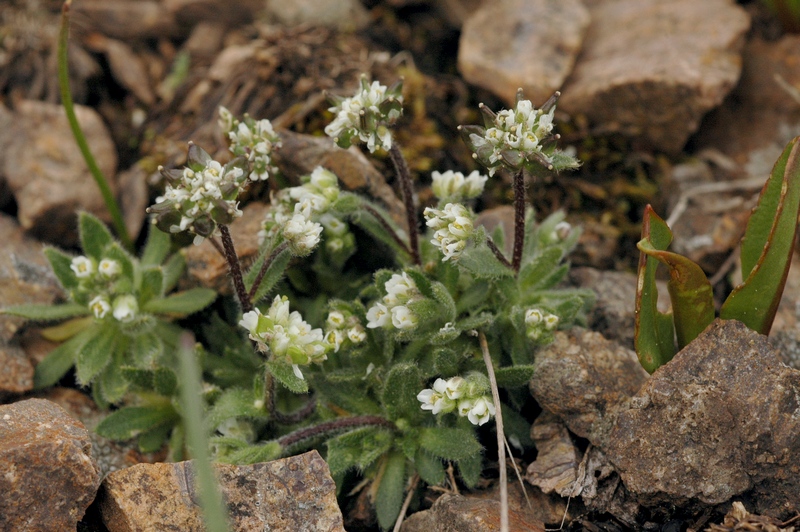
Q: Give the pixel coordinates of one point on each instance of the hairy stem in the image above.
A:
(387, 226)
(235, 268)
(498, 418)
(264, 267)
(519, 219)
(497, 253)
(335, 425)
(407, 189)
(69, 108)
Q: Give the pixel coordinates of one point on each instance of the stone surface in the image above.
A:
(121, 19)
(456, 513)
(295, 493)
(557, 460)
(585, 379)
(508, 44)
(16, 371)
(46, 171)
(721, 420)
(651, 69)
(25, 275)
(345, 15)
(49, 476)
(189, 12)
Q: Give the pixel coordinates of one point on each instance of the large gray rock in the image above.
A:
(721, 420)
(49, 476)
(508, 44)
(295, 493)
(651, 69)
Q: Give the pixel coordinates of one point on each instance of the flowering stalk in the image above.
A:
(264, 267)
(235, 268)
(335, 425)
(389, 229)
(407, 190)
(519, 219)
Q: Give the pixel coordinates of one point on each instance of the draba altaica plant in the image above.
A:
(392, 371)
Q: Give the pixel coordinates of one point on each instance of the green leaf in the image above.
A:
(514, 376)
(50, 370)
(47, 312)
(182, 303)
(114, 383)
(481, 262)
(153, 440)
(157, 247)
(145, 349)
(116, 252)
(359, 448)
(534, 274)
(471, 469)
(130, 421)
(429, 467)
(152, 286)
(391, 490)
(165, 382)
(61, 262)
(478, 321)
(449, 443)
(403, 383)
(66, 330)
(95, 354)
(448, 305)
(653, 334)
(95, 236)
(284, 374)
(172, 271)
(254, 454)
(275, 272)
(232, 404)
(767, 246)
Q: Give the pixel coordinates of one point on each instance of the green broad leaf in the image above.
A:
(446, 361)
(152, 286)
(654, 331)
(358, 449)
(403, 383)
(95, 236)
(767, 246)
(232, 404)
(481, 262)
(254, 454)
(157, 247)
(114, 384)
(284, 374)
(556, 276)
(61, 262)
(366, 220)
(689, 290)
(450, 443)
(165, 381)
(138, 379)
(470, 470)
(444, 336)
(95, 354)
(130, 421)
(347, 203)
(422, 282)
(474, 296)
(68, 329)
(275, 272)
(516, 428)
(116, 252)
(514, 376)
(448, 305)
(429, 468)
(534, 274)
(154, 439)
(47, 312)
(172, 271)
(478, 321)
(391, 490)
(182, 303)
(145, 349)
(59, 361)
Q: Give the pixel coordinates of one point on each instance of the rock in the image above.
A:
(49, 476)
(125, 20)
(721, 420)
(557, 461)
(46, 171)
(189, 12)
(585, 379)
(133, 197)
(345, 15)
(533, 505)
(25, 275)
(295, 493)
(532, 44)
(456, 513)
(16, 371)
(206, 267)
(651, 69)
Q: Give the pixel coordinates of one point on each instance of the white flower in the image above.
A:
(250, 322)
(356, 334)
(125, 308)
(378, 316)
(100, 306)
(336, 319)
(533, 316)
(403, 318)
(538, 322)
(297, 372)
(454, 387)
(82, 266)
(335, 338)
(364, 116)
(454, 186)
(561, 231)
(551, 322)
(302, 235)
(478, 411)
(109, 268)
(436, 399)
(453, 226)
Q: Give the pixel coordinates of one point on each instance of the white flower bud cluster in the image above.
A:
(253, 139)
(286, 335)
(97, 283)
(392, 310)
(461, 395)
(539, 322)
(455, 187)
(365, 116)
(343, 329)
(453, 226)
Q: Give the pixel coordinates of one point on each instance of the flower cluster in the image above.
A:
(200, 196)
(286, 335)
(253, 140)
(539, 323)
(453, 227)
(343, 329)
(366, 116)
(467, 396)
(453, 186)
(100, 284)
(518, 138)
(392, 310)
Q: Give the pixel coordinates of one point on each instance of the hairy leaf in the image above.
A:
(157, 247)
(131, 421)
(95, 236)
(429, 467)
(61, 262)
(391, 490)
(449, 443)
(514, 376)
(284, 374)
(182, 303)
(403, 383)
(50, 370)
(47, 312)
(95, 354)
